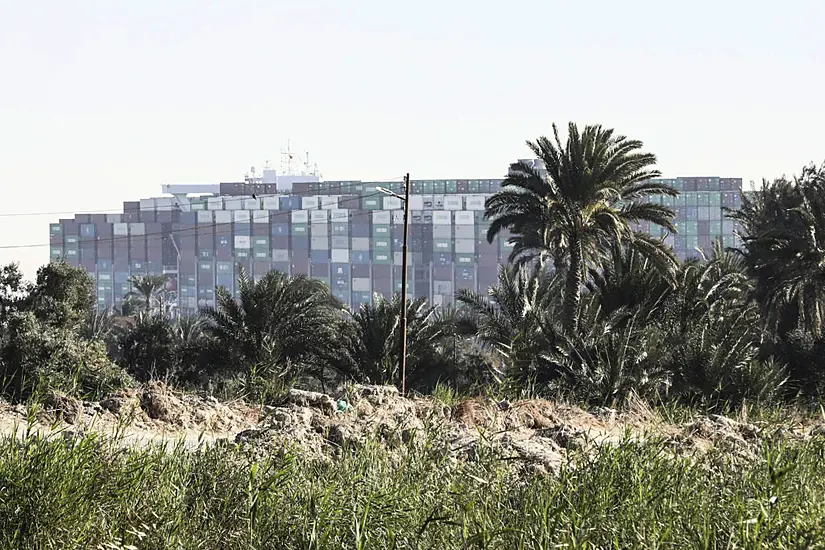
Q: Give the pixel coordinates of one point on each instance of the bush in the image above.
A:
(38, 357)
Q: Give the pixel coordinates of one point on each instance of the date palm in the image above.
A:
(148, 293)
(370, 342)
(276, 323)
(586, 198)
(783, 234)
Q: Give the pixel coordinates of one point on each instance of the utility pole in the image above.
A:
(404, 286)
(403, 324)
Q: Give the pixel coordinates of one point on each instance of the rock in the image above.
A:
(162, 405)
(316, 400)
(67, 408)
(121, 405)
(340, 435)
(818, 430)
(377, 395)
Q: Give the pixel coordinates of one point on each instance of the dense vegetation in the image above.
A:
(95, 494)
(589, 307)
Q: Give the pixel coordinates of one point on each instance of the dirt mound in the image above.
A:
(152, 408)
(534, 432)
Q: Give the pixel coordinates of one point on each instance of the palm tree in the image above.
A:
(629, 281)
(372, 347)
(277, 324)
(148, 293)
(783, 234)
(594, 189)
(508, 311)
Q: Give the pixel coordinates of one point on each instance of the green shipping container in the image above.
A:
(427, 188)
(465, 259)
(370, 203)
(438, 187)
(381, 244)
(381, 256)
(260, 242)
(299, 229)
(380, 230)
(450, 187)
(474, 187)
(442, 245)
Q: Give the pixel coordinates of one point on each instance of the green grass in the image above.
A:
(93, 493)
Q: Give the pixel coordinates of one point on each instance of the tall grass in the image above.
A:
(95, 493)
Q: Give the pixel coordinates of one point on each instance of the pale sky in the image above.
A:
(102, 101)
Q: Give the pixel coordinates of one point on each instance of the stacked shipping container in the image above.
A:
(344, 233)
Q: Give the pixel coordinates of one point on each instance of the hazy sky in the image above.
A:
(102, 101)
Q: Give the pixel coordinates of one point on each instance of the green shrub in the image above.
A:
(38, 356)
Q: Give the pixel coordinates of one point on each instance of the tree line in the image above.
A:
(587, 306)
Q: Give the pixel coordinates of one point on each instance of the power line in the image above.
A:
(121, 238)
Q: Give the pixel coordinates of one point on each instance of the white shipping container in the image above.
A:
(442, 232)
(319, 216)
(204, 216)
(214, 203)
(233, 203)
(442, 217)
(242, 241)
(361, 284)
(360, 243)
(319, 243)
(164, 203)
(398, 217)
(475, 202)
(416, 202)
(328, 203)
(465, 217)
(147, 204)
(464, 232)
(242, 216)
(465, 246)
(260, 216)
(309, 203)
(252, 204)
(392, 203)
(114, 218)
(280, 255)
(223, 217)
(340, 242)
(340, 255)
(319, 229)
(137, 229)
(270, 203)
(381, 217)
(300, 216)
(120, 229)
(339, 215)
(452, 202)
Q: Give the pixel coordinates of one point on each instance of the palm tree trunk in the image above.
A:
(573, 285)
